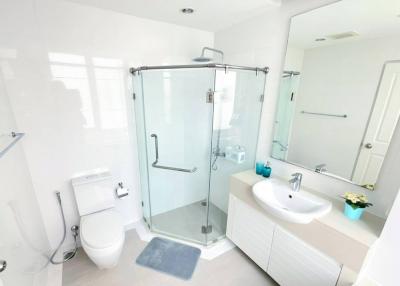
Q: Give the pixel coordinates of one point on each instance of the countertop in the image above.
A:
(346, 240)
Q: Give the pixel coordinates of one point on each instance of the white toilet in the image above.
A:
(101, 227)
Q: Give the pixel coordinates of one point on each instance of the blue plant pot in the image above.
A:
(353, 214)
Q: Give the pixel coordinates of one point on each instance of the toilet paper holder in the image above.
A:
(121, 191)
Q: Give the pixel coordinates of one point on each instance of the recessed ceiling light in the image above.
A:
(187, 10)
(320, 39)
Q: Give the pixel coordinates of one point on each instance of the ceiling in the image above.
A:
(209, 15)
(369, 18)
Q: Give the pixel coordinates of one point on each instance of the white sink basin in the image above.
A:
(277, 198)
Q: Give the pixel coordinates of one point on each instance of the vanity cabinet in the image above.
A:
(250, 230)
(286, 258)
(295, 263)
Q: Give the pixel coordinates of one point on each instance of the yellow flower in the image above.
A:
(355, 198)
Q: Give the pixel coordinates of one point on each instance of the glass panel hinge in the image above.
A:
(210, 96)
(206, 229)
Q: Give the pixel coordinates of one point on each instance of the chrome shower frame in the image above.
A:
(196, 66)
(217, 152)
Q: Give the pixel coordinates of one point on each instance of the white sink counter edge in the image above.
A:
(345, 240)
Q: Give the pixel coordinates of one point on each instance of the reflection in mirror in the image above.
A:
(339, 98)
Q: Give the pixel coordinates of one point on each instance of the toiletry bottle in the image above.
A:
(267, 170)
(259, 168)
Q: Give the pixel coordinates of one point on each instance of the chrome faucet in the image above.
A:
(296, 181)
(320, 168)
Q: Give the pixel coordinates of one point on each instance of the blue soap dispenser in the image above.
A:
(267, 170)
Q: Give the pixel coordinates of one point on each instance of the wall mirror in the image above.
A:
(339, 99)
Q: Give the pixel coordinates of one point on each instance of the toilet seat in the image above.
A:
(102, 229)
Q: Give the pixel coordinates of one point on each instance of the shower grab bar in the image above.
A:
(194, 169)
(16, 136)
(324, 114)
(283, 147)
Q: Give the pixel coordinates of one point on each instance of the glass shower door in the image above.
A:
(178, 128)
(238, 102)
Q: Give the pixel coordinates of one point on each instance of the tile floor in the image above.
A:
(230, 269)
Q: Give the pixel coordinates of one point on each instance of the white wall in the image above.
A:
(339, 79)
(69, 88)
(294, 59)
(262, 41)
(384, 265)
(23, 241)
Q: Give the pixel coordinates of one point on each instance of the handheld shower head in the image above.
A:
(58, 197)
(67, 255)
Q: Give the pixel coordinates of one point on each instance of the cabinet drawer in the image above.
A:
(295, 263)
(251, 231)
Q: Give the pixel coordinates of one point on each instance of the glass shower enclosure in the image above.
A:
(196, 125)
(284, 115)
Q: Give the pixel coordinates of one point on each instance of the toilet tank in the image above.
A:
(93, 192)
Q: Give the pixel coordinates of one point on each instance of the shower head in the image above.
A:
(203, 58)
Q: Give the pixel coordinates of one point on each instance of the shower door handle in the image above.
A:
(194, 169)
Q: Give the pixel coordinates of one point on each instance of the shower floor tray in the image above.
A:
(186, 223)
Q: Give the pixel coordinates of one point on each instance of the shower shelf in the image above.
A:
(14, 136)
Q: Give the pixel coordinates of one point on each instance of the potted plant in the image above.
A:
(355, 205)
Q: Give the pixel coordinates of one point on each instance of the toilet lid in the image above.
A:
(102, 229)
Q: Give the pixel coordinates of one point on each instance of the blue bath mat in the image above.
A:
(170, 257)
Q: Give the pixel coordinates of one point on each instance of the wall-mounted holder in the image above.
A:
(120, 191)
(13, 138)
(236, 154)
